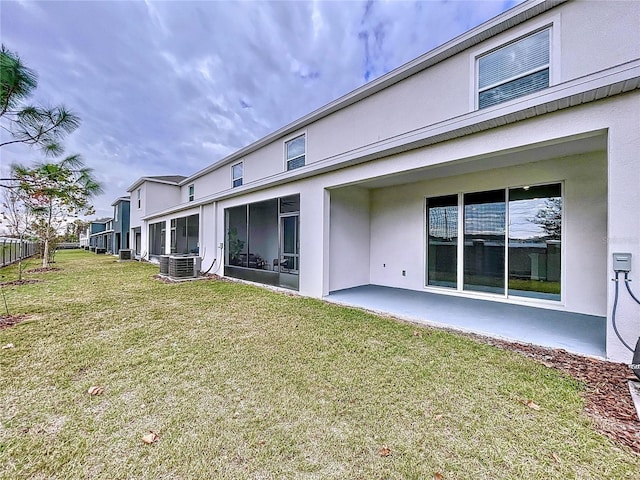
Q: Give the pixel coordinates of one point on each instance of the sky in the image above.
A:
(170, 87)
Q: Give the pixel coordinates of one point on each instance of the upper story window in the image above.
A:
(514, 70)
(138, 194)
(115, 215)
(295, 151)
(237, 172)
(191, 192)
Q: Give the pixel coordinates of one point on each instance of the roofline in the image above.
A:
(100, 233)
(141, 180)
(506, 20)
(121, 199)
(608, 83)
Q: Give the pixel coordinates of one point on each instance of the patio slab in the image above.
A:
(574, 332)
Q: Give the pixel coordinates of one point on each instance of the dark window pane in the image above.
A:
(442, 254)
(535, 230)
(484, 241)
(290, 204)
(295, 163)
(516, 88)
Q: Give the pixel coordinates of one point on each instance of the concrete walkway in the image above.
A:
(584, 334)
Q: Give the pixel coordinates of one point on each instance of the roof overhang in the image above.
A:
(142, 180)
(120, 200)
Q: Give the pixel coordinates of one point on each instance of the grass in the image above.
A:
(242, 382)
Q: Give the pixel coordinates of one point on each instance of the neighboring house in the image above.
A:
(121, 211)
(502, 165)
(101, 235)
(84, 239)
(148, 194)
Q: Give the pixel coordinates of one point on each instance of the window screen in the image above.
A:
(517, 69)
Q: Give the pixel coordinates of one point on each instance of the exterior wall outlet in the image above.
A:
(404, 273)
(621, 262)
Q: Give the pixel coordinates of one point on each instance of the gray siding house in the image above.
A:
(121, 216)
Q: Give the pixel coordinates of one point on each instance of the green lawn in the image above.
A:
(245, 383)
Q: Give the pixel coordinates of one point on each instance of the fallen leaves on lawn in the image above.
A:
(531, 404)
(384, 451)
(8, 345)
(95, 390)
(417, 333)
(15, 283)
(43, 270)
(150, 437)
(555, 457)
(7, 321)
(438, 476)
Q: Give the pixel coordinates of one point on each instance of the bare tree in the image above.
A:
(18, 218)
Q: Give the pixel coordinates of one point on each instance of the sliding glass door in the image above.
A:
(535, 231)
(484, 240)
(442, 241)
(511, 244)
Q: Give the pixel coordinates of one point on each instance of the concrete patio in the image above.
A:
(578, 333)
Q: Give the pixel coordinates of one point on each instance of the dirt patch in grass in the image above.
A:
(24, 281)
(608, 401)
(7, 321)
(44, 270)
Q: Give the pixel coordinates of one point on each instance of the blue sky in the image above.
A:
(170, 87)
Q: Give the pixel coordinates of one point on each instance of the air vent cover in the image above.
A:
(125, 254)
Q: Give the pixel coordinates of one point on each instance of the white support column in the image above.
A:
(314, 244)
(624, 226)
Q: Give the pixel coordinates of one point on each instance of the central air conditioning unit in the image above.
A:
(164, 264)
(125, 254)
(184, 267)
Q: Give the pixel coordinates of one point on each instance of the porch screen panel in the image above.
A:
(263, 234)
(193, 233)
(484, 241)
(442, 241)
(535, 231)
(237, 241)
(156, 238)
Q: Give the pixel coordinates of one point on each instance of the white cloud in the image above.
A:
(170, 87)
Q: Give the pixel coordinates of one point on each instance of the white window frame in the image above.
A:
(284, 149)
(241, 177)
(504, 298)
(552, 23)
(191, 192)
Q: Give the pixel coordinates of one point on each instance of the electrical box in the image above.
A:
(621, 262)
